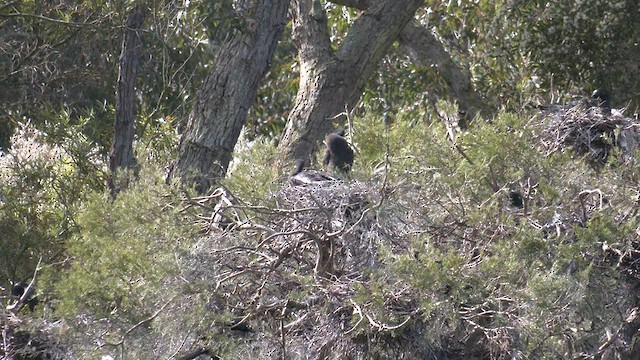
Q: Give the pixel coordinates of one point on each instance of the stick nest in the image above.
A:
(592, 132)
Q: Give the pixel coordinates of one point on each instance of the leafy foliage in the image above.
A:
(41, 186)
(439, 264)
(583, 44)
(525, 51)
(63, 57)
(122, 252)
(429, 256)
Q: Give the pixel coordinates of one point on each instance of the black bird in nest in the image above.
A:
(601, 97)
(338, 157)
(18, 291)
(516, 199)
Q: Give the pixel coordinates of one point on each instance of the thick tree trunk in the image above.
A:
(331, 82)
(220, 109)
(121, 155)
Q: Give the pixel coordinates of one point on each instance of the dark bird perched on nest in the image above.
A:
(307, 177)
(18, 291)
(339, 156)
(516, 199)
(601, 98)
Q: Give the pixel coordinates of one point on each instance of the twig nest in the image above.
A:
(588, 130)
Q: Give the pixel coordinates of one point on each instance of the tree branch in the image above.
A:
(48, 19)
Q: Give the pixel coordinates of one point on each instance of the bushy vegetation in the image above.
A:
(437, 262)
(41, 187)
(456, 269)
(445, 243)
(514, 281)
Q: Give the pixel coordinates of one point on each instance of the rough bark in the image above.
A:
(121, 155)
(220, 109)
(331, 82)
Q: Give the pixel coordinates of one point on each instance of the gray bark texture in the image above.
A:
(121, 155)
(230, 88)
(331, 82)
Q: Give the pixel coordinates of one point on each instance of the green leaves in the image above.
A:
(122, 253)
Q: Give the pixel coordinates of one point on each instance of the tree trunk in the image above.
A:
(331, 82)
(121, 155)
(423, 48)
(220, 109)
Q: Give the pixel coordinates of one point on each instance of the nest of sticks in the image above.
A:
(339, 214)
(589, 131)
